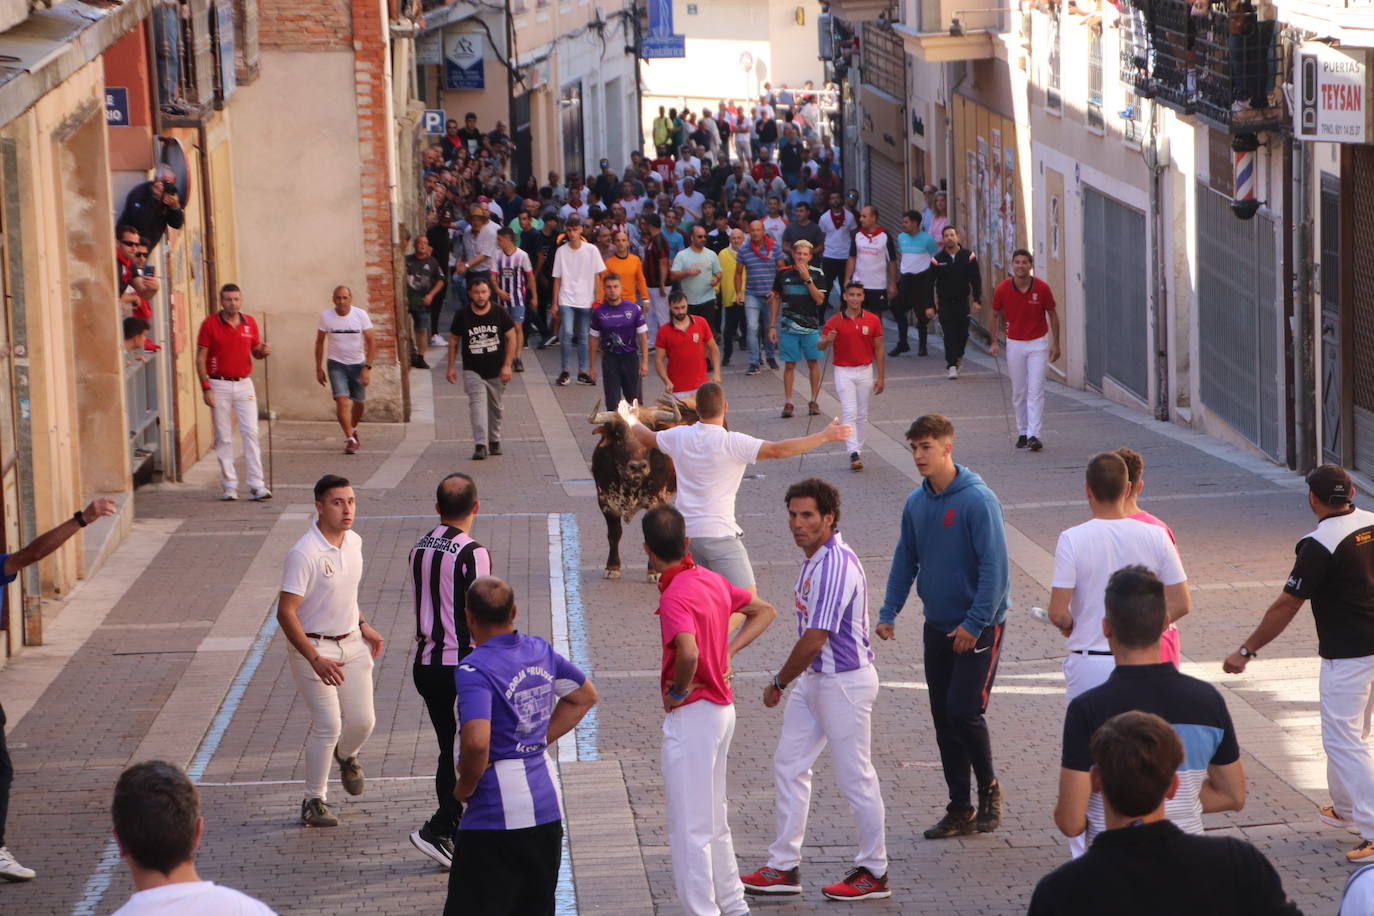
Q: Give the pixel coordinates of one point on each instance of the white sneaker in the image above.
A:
(953, 372)
(11, 870)
(437, 341)
(228, 496)
(259, 493)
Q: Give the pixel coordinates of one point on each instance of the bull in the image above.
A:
(629, 475)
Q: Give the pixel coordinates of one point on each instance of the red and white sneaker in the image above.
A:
(771, 881)
(1329, 815)
(859, 884)
(351, 446)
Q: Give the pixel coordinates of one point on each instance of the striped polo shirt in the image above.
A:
(832, 594)
(513, 681)
(443, 564)
(760, 265)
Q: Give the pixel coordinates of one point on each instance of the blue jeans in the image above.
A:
(755, 308)
(573, 322)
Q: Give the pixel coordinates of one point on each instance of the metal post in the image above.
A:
(1304, 414)
(267, 405)
(1158, 165)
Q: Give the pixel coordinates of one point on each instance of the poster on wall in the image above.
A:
(995, 198)
(970, 201)
(1054, 228)
(981, 189)
(1009, 203)
(465, 60)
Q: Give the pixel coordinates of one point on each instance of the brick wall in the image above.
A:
(306, 24)
(369, 46)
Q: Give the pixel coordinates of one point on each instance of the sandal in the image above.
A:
(787, 410)
(813, 409)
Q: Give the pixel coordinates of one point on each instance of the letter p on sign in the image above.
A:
(432, 121)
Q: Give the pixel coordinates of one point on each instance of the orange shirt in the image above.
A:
(631, 273)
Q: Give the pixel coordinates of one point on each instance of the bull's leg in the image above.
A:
(613, 532)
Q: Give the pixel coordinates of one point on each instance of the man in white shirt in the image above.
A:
(839, 225)
(775, 224)
(348, 333)
(575, 269)
(158, 827)
(574, 205)
(710, 462)
(691, 200)
(325, 632)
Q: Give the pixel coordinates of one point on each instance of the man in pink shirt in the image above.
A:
(1135, 469)
(695, 608)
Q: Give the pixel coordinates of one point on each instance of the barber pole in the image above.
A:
(1244, 204)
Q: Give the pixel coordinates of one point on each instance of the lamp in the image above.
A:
(800, 15)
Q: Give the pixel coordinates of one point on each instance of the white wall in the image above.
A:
(298, 211)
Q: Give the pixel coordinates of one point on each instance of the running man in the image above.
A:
(953, 545)
(710, 462)
(957, 279)
(515, 288)
(443, 563)
(800, 290)
(832, 705)
(325, 633)
(351, 345)
(681, 349)
(857, 337)
(839, 225)
(620, 336)
(915, 248)
(1170, 649)
(873, 262)
(1027, 318)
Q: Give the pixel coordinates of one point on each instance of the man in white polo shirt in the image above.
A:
(710, 462)
(331, 648)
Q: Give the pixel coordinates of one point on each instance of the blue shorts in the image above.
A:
(346, 380)
(516, 309)
(793, 348)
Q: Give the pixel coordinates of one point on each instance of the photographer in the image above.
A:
(153, 206)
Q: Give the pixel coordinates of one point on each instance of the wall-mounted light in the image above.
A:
(801, 15)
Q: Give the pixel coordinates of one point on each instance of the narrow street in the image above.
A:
(172, 652)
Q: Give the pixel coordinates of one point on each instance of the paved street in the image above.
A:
(172, 651)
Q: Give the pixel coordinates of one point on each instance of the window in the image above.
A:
(1053, 100)
(1095, 77)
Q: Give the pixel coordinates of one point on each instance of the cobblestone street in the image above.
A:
(172, 651)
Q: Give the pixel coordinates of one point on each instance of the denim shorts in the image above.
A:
(346, 380)
(793, 348)
(420, 318)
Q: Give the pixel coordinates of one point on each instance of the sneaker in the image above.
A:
(922, 352)
(953, 372)
(315, 813)
(563, 379)
(350, 773)
(552, 341)
(228, 496)
(855, 462)
(418, 362)
(493, 448)
(479, 453)
(437, 340)
(787, 410)
(813, 409)
(350, 446)
(771, 881)
(956, 822)
(772, 363)
(899, 349)
(989, 814)
(518, 366)
(1020, 441)
(1034, 443)
(1361, 852)
(584, 379)
(1328, 815)
(357, 438)
(859, 884)
(11, 870)
(257, 494)
(753, 369)
(438, 848)
(725, 363)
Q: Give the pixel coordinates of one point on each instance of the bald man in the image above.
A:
(347, 369)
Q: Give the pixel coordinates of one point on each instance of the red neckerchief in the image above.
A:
(877, 231)
(839, 221)
(765, 258)
(666, 577)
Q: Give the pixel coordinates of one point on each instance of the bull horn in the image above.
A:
(592, 417)
(605, 416)
(677, 412)
(664, 416)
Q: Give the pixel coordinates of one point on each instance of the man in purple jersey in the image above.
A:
(515, 696)
(443, 563)
(832, 665)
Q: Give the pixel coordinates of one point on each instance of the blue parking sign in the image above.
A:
(432, 121)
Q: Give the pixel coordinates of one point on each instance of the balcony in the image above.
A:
(949, 30)
(1226, 68)
(861, 10)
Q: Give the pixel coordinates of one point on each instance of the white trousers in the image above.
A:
(1347, 699)
(696, 751)
(853, 385)
(833, 709)
(341, 717)
(236, 401)
(1026, 362)
(1081, 674)
(658, 315)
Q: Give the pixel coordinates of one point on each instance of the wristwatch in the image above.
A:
(675, 695)
(1246, 653)
(79, 516)
(779, 684)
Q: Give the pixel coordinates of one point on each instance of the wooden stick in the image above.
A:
(267, 397)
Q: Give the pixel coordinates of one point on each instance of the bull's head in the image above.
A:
(631, 455)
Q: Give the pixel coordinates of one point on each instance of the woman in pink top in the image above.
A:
(1135, 467)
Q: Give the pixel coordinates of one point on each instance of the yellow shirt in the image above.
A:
(727, 276)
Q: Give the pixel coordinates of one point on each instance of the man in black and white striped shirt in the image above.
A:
(443, 563)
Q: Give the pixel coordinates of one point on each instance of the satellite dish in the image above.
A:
(171, 154)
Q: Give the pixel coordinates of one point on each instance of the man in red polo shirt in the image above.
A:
(857, 337)
(695, 609)
(226, 346)
(1025, 312)
(681, 348)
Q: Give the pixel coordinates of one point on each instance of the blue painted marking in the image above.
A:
(577, 628)
(565, 898)
(99, 881)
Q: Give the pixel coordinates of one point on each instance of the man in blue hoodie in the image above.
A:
(953, 546)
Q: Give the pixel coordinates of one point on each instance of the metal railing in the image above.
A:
(141, 408)
(1095, 78)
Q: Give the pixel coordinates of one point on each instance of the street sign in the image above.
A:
(746, 61)
(1333, 94)
(661, 42)
(432, 121)
(116, 106)
(465, 61)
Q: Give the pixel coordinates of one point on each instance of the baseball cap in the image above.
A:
(1331, 484)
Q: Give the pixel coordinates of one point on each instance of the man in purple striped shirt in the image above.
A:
(443, 563)
(832, 663)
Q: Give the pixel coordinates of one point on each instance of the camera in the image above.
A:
(147, 271)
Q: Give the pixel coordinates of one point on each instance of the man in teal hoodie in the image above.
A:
(953, 546)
